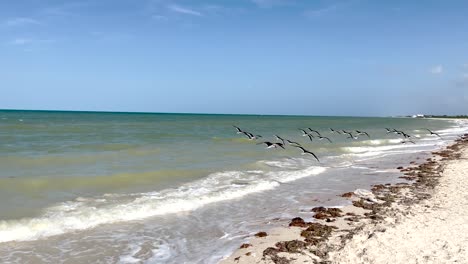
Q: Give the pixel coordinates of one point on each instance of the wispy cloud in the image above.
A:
(184, 10)
(28, 41)
(321, 11)
(270, 3)
(438, 69)
(20, 41)
(21, 21)
(159, 17)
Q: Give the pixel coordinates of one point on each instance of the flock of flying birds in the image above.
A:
(311, 134)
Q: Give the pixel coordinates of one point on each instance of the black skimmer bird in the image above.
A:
(320, 138)
(362, 133)
(239, 131)
(335, 131)
(304, 133)
(305, 151)
(388, 130)
(311, 130)
(432, 133)
(407, 140)
(271, 145)
(280, 138)
(310, 137)
(350, 134)
(251, 136)
(292, 142)
(405, 135)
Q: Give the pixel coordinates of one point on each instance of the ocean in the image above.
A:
(98, 187)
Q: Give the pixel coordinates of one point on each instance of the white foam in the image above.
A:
(88, 213)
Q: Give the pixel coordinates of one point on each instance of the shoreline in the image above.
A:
(336, 233)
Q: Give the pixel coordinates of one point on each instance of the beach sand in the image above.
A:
(422, 221)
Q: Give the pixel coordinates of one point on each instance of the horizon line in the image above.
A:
(175, 113)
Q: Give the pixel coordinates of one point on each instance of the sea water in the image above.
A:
(174, 188)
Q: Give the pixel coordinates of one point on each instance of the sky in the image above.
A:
(292, 57)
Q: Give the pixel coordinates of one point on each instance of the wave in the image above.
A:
(85, 213)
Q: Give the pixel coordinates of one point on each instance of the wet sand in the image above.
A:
(424, 220)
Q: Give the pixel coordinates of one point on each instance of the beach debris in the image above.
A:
(297, 221)
(325, 213)
(366, 195)
(317, 230)
(261, 234)
(293, 246)
(245, 245)
(347, 194)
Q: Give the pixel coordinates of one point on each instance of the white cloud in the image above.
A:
(269, 3)
(321, 11)
(159, 17)
(184, 10)
(437, 69)
(28, 41)
(20, 21)
(20, 41)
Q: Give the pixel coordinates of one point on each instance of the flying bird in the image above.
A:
(362, 133)
(251, 136)
(432, 133)
(320, 138)
(335, 131)
(305, 151)
(311, 130)
(350, 134)
(280, 138)
(271, 145)
(310, 137)
(407, 141)
(292, 142)
(304, 133)
(239, 131)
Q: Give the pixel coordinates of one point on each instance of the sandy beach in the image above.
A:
(423, 220)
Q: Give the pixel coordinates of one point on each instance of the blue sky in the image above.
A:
(312, 57)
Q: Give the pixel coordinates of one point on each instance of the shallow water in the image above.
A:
(172, 188)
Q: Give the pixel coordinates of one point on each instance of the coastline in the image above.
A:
(381, 223)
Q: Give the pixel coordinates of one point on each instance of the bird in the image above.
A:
(407, 141)
(310, 137)
(271, 145)
(320, 138)
(304, 133)
(305, 151)
(251, 136)
(292, 142)
(239, 131)
(350, 134)
(432, 133)
(280, 138)
(311, 130)
(362, 133)
(405, 135)
(389, 130)
(335, 131)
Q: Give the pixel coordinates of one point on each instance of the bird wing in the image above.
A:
(311, 153)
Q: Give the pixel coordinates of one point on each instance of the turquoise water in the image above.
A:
(65, 172)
